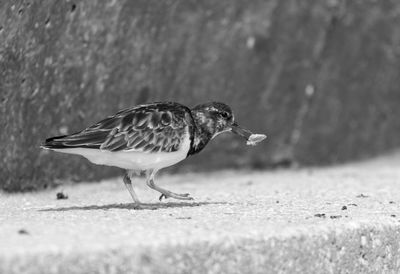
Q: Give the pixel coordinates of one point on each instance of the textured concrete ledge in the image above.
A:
(343, 219)
(320, 78)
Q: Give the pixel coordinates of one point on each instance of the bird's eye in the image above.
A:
(224, 114)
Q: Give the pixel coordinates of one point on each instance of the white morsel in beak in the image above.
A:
(254, 139)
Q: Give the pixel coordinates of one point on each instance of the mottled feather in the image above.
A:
(159, 127)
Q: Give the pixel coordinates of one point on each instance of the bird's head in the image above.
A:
(217, 118)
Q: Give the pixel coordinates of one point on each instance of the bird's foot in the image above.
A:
(184, 196)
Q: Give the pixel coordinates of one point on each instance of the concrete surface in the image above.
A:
(333, 220)
(307, 73)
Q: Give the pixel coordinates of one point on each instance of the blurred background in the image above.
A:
(320, 78)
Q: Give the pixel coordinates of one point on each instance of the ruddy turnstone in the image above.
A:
(150, 137)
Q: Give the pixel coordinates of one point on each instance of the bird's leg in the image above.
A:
(128, 184)
(164, 193)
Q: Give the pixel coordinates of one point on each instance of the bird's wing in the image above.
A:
(146, 128)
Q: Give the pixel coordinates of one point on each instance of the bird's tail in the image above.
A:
(56, 142)
(84, 139)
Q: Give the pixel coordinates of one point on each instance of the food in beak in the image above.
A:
(252, 139)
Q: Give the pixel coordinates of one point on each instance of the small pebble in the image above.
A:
(23, 232)
(344, 207)
(335, 216)
(320, 215)
(61, 196)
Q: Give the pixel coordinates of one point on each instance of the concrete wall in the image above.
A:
(321, 78)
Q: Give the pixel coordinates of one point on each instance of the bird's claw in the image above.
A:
(185, 196)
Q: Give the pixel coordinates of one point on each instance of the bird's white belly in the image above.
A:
(133, 160)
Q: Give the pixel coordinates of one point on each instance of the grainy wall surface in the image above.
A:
(321, 78)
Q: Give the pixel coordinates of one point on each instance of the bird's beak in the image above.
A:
(241, 131)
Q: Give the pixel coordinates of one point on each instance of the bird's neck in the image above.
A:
(204, 130)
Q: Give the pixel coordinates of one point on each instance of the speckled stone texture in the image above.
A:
(321, 78)
(328, 220)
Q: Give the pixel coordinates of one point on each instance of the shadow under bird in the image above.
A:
(150, 137)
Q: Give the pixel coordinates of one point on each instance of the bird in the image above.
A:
(148, 137)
